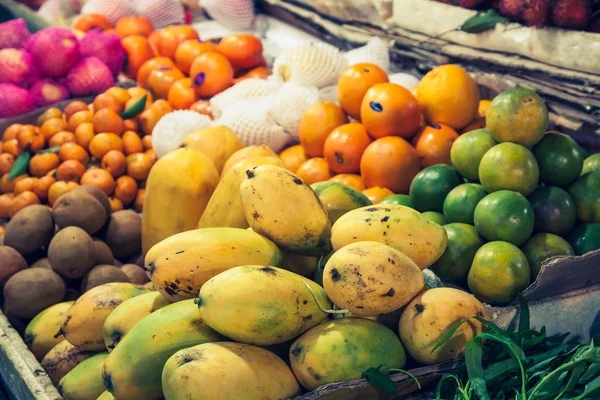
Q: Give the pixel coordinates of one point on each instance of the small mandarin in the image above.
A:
(114, 162)
(126, 189)
(70, 171)
(8, 186)
(378, 193)
(25, 185)
(21, 201)
(115, 204)
(6, 162)
(314, 170)
(11, 132)
(79, 118)
(73, 107)
(84, 134)
(104, 100)
(107, 120)
(119, 93)
(132, 143)
(5, 200)
(138, 204)
(102, 143)
(99, 178)
(293, 157)
(12, 147)
(61, 138)
(139, 165)
(41, 187)
(59, 188)
(31, 139)
(147, 142)
(53, 126)
(352, 180)
(73, 151)
(42, 163)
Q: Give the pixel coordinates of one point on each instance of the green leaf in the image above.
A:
(443, 379)
(498, 370)
(473, 361)
(524, 318)
(448, 335)
(54, 149)
(402, 371)
(20, 165)
(135, 109)
(380, 380)
(483, 21)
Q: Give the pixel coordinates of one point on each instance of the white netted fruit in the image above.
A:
(287, 105)
(374, 52)
(112, 10)
(173, 127)
(161, 12)
(407, 81)
(234, 14)
(248, 88)
(311, 64)
(329, 93)
(252, 123)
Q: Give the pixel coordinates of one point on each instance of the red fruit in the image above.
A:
(572, 14)
(89, 77)
(13, 33)
(535, 12)
(14, 100)
(508, 8)
(54, 50)
(47, 91)
(106, 46)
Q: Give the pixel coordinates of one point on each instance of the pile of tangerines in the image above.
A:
(381, 134)
(175, 65)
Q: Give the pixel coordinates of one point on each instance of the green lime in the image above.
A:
(543, 246)
(517, 115)
(499, 272)
(554, 210)
(585, 238)
(509, 166)
(559, 158)
(459, 205)
(463, 242)
(504, 215)
(592, 163)
(467, 151)
(586, 193)
(430, 187)
(434, 216)
(400, 199)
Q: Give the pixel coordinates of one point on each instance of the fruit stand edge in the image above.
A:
(20, 372)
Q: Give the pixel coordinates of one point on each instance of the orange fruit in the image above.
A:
(211, 73)
(84, 134)
(106, 120)
(114, 162)
(53, 126)
(138, 52)
(104, 100)
(482, 110)
(8, 186)
(388, 109)
(118, 93)
(314, 170)
(134, 25)
(12, 147)
(187, 52)
(139, 165)
(78, 118)
(21, 201)
(352, 180)
(154, 40)
(293, 157)
(147, 142)
(316, 124)
(433, 144)
(182, 94)
(172, 36)
(344, 147)
(30, 138)
(52, 173)
(163, 106)
(25, 185)
(11, 132)
(6, 162)
(73, 107)
(243, 51)
(132, 143)
(138, 204)
(100, 178)
(102, 143)
(390, 162)
(150, 153)
(41, 187)
(59, 188)
(5, 201)
(115, 204)
(149, 66)
(70, 171)
(202, 107)
(42, 163)
(131, 124)
(161, 79)
(73, 151)
(150, 117)
(86, 22)
(479, 121)
(258, 72)
(61, 138)
(126, 189)
(51, 112)
(378, 193)
(448, 95)
(354, 83)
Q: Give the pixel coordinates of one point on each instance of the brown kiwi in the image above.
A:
(101, 274)
(33, 290)
(98, 194)
(124, 233)
(42, 263)
(103, 253)
(135, 273)
(72, 252)
(79, 209)
(30, 229)
(11, 262)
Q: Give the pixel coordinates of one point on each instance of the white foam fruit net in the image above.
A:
(311, 64)
(287, 105)
(173, 127)
(234, 14)
(405, 80)
(375, 52)
(246, 89)
(112, 10)
(161, 12)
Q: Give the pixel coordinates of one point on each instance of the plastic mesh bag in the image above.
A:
(407, 81)
(329, 93)
(252, 123)
(112, 10)
(173, 127)
(161, 12)
(287, 105)
(234, 14)
(311, 64)
(248, 88)
(374, 52)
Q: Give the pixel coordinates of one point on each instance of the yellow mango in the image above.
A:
(61, 359)
(40, 334)
(248, 152)
(84, 382)
(217, 142)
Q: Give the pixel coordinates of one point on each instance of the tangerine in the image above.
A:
(172, 36)
(345, 146)
(107, 120)
(31, 138)
(354, 83)
(147, 142)
(352, 180)
(257, 73)
(203, 107)
(105, 100)
(53, 126)
(509, 166)
(87, 22)
(41, 187)
(100, 178)
(6, 162)
(25, 185)
(61, 138)
(433, 144)
(75, 106)
(102, 143)
(377, 194)
(154, 40)
(12, 147)
(84, 134)
(126, 189)
(73, 151)
(5, 200)
(182, 94)
(187, 52)
(114, 162)
(132, 143)
(149, 66)
(80, 117)
(131, 124)
(212, 73)
(314, 170)
(52, 112)
(316, 124)
(293, 157)
(11, 132)
(119, 93)
(139, 165)
(161, 79)
(138, 52)
(42, 163)
(59, 188)
(242, 50)
(134, 25)
(8, 186)
(115, 204)
(138, 204)
(70, 171)
(21, 201)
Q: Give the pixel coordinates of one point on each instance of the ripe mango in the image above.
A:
(123, 318)
(177, 191)
(371, 278)
(428, 318)
(84, 320)
(226, 371)
(342, 349)
(61, 359)
(338, 198)
(133, 369)
(106, 395)
(181, 264)
(261, 150)
(84, 382)
(400, 227)
(217, 142)
(224, 208)
(261, 305)
(284, 208)
(41, 331)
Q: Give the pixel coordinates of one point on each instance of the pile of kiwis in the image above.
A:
(52, 255)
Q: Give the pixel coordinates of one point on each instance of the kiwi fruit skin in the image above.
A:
(72, 252)
(11, 262)
(79, 209)
(42, 263)
(101, 274)
(124, 234)
(30, 229)
(32, 290)
(98, 194)
(103, 253)
(135, 273)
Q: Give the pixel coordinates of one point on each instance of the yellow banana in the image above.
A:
(84, 382)
(40, 332)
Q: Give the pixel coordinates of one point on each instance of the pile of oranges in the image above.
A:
(175, 65)
(381, 134)
(82, 144)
